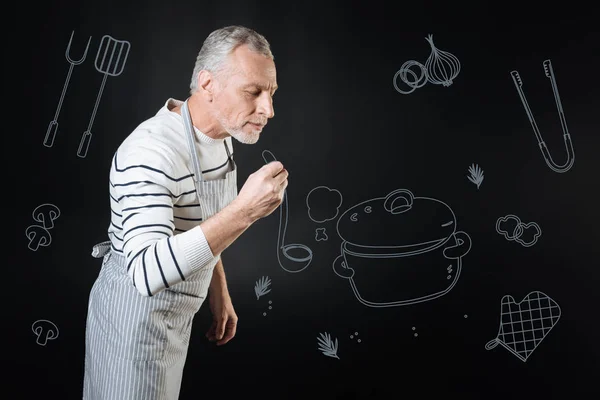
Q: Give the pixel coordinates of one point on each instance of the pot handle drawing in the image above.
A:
(399, 201)
(461, 248)
(340, 267)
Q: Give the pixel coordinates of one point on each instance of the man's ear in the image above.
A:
(206, 84)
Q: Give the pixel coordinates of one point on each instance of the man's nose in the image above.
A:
(265, 106)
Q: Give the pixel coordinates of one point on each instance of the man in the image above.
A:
(175, 208)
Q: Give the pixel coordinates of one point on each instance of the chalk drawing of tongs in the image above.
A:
(53, 126)
(113, 67)
(568, 143)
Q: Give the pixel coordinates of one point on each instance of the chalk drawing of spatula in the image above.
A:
(53, 125)
(110, 60)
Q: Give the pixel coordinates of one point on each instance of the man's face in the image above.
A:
(244, 95)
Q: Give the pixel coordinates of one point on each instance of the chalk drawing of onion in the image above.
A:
(441, 66)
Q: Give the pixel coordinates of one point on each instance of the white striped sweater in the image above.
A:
(155, 214)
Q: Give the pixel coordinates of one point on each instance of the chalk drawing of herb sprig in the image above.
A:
(327, 346)
(476, 175)
(260, 289)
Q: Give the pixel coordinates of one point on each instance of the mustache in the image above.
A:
(261, 123)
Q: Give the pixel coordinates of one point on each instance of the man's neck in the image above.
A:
(202, 117)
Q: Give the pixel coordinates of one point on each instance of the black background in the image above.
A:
(339, 123)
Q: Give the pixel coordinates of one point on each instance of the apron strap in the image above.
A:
(229, 157)
(189, 133)
(101, 249)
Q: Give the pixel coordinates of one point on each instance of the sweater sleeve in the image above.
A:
(144, 182)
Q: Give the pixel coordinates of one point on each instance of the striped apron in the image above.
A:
(136, 346)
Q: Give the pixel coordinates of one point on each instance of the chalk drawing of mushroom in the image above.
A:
(39, 234)
(46, 214)
(323, 205)
(38, 237)
(44, 330)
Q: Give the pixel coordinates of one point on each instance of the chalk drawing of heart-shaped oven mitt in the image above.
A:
(525, 324)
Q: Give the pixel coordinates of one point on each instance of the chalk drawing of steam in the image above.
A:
(323, 205)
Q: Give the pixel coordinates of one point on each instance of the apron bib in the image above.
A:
(136, 346)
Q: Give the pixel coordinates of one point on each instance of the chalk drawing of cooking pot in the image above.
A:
(400, 249)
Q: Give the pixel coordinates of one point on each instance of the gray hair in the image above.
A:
(222, 42)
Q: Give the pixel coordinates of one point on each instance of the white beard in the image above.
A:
(238, 132)
(243, 137)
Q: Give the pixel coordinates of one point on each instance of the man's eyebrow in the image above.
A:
(259, 86)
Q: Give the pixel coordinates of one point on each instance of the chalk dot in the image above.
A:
(416, 334)
(270, 307)
(356, 333)
(466, 316)
(449, 277)
(414, 328)
(264, 314)
(358, 340)
(270, 302)
(351, 336)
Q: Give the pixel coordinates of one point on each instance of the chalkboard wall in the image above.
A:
(443, 188)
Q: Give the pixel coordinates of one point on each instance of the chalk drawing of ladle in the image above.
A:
(297, 264)
(567, 138)
(53, 126)
(112, 66)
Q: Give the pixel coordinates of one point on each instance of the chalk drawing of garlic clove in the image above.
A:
(327, 346)
(476, 175)
(441, 66)
(261, 287)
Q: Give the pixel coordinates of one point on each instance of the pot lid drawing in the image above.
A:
(398, 224)
(524, 325)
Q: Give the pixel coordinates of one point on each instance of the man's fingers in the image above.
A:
(284, 185)
(229, 334)
(210, 334)
(220, 328)
(273, 168)
(282, 177)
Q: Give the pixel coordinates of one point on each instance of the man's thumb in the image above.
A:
(274, 167)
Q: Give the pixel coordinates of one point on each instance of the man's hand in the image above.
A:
(225, 320)
(263, 191)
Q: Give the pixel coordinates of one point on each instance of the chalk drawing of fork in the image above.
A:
(567, 138)
(53, 126)
(112, 66)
